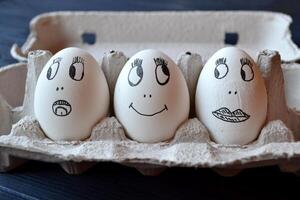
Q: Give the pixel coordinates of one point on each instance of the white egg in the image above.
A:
(231, 97)
(151, 97)
(71, 95)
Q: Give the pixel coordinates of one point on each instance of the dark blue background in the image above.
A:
(36, 180)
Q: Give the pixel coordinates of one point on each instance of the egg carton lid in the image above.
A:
(172, 32)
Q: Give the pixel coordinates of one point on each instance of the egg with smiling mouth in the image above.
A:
(231, 97)
(151, 98)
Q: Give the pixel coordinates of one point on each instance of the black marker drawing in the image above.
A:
(226, 115)
(135, 74)
(76, 70)
(162, 72)
(61, 108)
(247, 73)
(53, 69)
(148, 115)
(221, 69)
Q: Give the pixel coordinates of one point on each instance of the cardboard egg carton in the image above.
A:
(190, 44)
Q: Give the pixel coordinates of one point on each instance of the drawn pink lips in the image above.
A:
(234, 117)
(61, 108)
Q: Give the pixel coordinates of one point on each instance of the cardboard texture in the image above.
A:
(191, 147)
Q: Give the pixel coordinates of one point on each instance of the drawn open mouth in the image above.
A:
(61, 108)
(148, 115)
(234, 117)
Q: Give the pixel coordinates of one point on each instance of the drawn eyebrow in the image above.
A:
(78, 59)
(57, 60)
(137, 62)
(220, 61)
(160, 61)
(246, 61)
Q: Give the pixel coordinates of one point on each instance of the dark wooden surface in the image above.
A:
(37, 180)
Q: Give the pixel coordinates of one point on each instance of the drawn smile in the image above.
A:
(61, 108)
(148, 115)
(234, 117)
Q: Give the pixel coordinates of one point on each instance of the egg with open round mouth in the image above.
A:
(151, 98)
(231, 97)
(71, 95)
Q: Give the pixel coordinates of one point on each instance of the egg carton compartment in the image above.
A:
(191, 146)
(22, 138)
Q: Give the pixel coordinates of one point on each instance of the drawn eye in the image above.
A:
(53, 69)
(221, 69)
(162, 74)
(247, 73)
(135, 74)
(76, 70)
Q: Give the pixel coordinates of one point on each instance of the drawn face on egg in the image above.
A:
(246, 74)
(162, 76)
(62, 107)
(231, 98)
(71, 95)
(151, 97)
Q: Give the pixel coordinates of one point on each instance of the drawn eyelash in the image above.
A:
(78, 59)
(246, 61)
(137, 63)
(221, 61)
(160, 61)
(57, 60)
